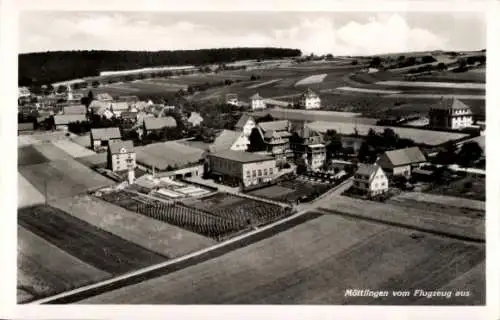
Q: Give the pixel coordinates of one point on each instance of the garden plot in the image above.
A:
(366, 90)
(442, 200)
(471, 187)
(433, 84)
(317, 78)
(29, 155)
(298, 190)
(162, 238)
(262, 84)
(73, 149)
(51, 152)
(312, 263)
(86, 242)
(27, 194)
(45, 270)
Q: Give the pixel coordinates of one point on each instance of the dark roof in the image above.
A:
(240, 156)
(450, 104)
(367, 170)
(65, 118)
(159, 123)
(405, 156)
(25, 126)
(243, 120)
(224, 140)
(279, 125)
(105, 133)
(79, 109)
(116, 146)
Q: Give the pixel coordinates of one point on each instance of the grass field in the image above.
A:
(84, 241)
(27, 194)
(44, 269)
(316, 78)
(471, 187)
(162, 238)
(452, 85)
(29, 155)
(454, 202)
(73, 149)
(291, 190)
(314, 263)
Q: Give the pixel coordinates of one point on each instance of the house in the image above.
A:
(246, 123)
(106, 97)
(100, 137)
(157, 124)
(195, 119)
(450, 114)
(276, 136)
(230, 140)
(370, 179)
(75, 109)
(257, 102)
(310, 148)
(402, 161)
(310, 100)
(243, 168)
(129, 116)
(23, 92)
(61, 121)
(121, 156)
(232, 99)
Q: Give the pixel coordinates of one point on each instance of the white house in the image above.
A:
(370, 179)
(402, 161)
(230, 140)
(450, 114)
(245, 124)
(257, 102)
(310, 100)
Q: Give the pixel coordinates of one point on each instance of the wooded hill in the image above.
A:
(49, 67)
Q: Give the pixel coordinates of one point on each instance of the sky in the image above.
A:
(338, 33)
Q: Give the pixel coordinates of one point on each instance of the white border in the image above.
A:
(8, 179)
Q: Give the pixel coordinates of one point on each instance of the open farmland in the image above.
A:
(477, 75)
(314, 263)
(73, 149)
(45, 270)
(433, 84)
(291, 190)
(470, 187)
(448, 201)
(162, 238)
(27, 194)
(84, 241)
(317, 78)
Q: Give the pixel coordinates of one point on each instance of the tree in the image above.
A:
(36, 89)
(448, 155)
(441, 66)
(469, 154)
(256, 141)
(428, 59)
(95, 83)
(62, 89)
(367, 153)
(354, 62)
(375, 62)
(49, 89)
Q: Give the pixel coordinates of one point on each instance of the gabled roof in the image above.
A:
(367, 170)
(104, 97)
(241, 156)
(76, 109)
(195, 117)
(65, 118)
(117, 146)
(119, 106)
(225, 140)
(128, 115)
(309, 94)
(277, 134)
(105, 133)
(96, 105)
(405, 156)
(243, 120)
(279, 125)
(450, 104)
(159, 123)
(128, 99)
(256, 97)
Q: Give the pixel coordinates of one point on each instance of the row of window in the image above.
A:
(259, 173)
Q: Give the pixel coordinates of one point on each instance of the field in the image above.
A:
(471, 187)
(73, 149)
(447, 201)
(317, 78)
(314, 263)
(45, 270)
(292, 190)
(27, 194)
(433, 84)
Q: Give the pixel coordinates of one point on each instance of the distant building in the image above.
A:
(61, 121)
(232, 99)
(230, 140)
(402, 161)
(76, 109)
(310, 100)
(276, 136)
(244, 168)
(101, 137)
(121, 156)
(257, 102)
(450, 114)
(157, 124)
(245, 124)
(106, 97)
(370, 179)
(195, 119)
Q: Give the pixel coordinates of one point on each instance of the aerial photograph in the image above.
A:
(251, 158)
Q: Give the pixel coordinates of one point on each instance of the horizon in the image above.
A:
(336, 33)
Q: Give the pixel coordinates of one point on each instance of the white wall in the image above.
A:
(258, 104)
(119, 163)
(267, 169)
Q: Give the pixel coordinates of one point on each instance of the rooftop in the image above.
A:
(75, 109)
(450, 104)
(241, 156)
(405, 156)
(367, 170)
(224, 140)
(159, 123)
(69, 118)
(279, 125)
(121, 146)
(255, 97)
(105, 133)
(243, 120)
(170, 153)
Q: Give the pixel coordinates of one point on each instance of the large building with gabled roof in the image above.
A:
(245, 124)
(100, 137)
(257, 102)
(402, 161)
(230, 140)
(450, 113)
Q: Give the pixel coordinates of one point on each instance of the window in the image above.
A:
(248, 174)
(260, 173)
(270, 171)
(253, 173)
(382, 184)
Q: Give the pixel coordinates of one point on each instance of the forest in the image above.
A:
(49, 67)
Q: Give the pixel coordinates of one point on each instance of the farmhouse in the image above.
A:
(276, 136)
(195, 119)
(370, 179)
(245, 124)
(121, 156)
(171, 159)
(450, 114)
(157, 124)
(401, 162)
(75, 109)
(244, 168)
(310, 100)
(61, 121)
(100, 137)
(257, 102)
(230, 140)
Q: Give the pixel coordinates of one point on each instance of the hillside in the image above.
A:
(49, 67)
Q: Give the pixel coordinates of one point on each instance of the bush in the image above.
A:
(286, 166)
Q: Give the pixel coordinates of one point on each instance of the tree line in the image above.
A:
(50, 67)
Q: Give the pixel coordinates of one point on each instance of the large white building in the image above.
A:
(121, 156)
(450, 114)
(245, 124)
(257, 102)
(310, 100)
